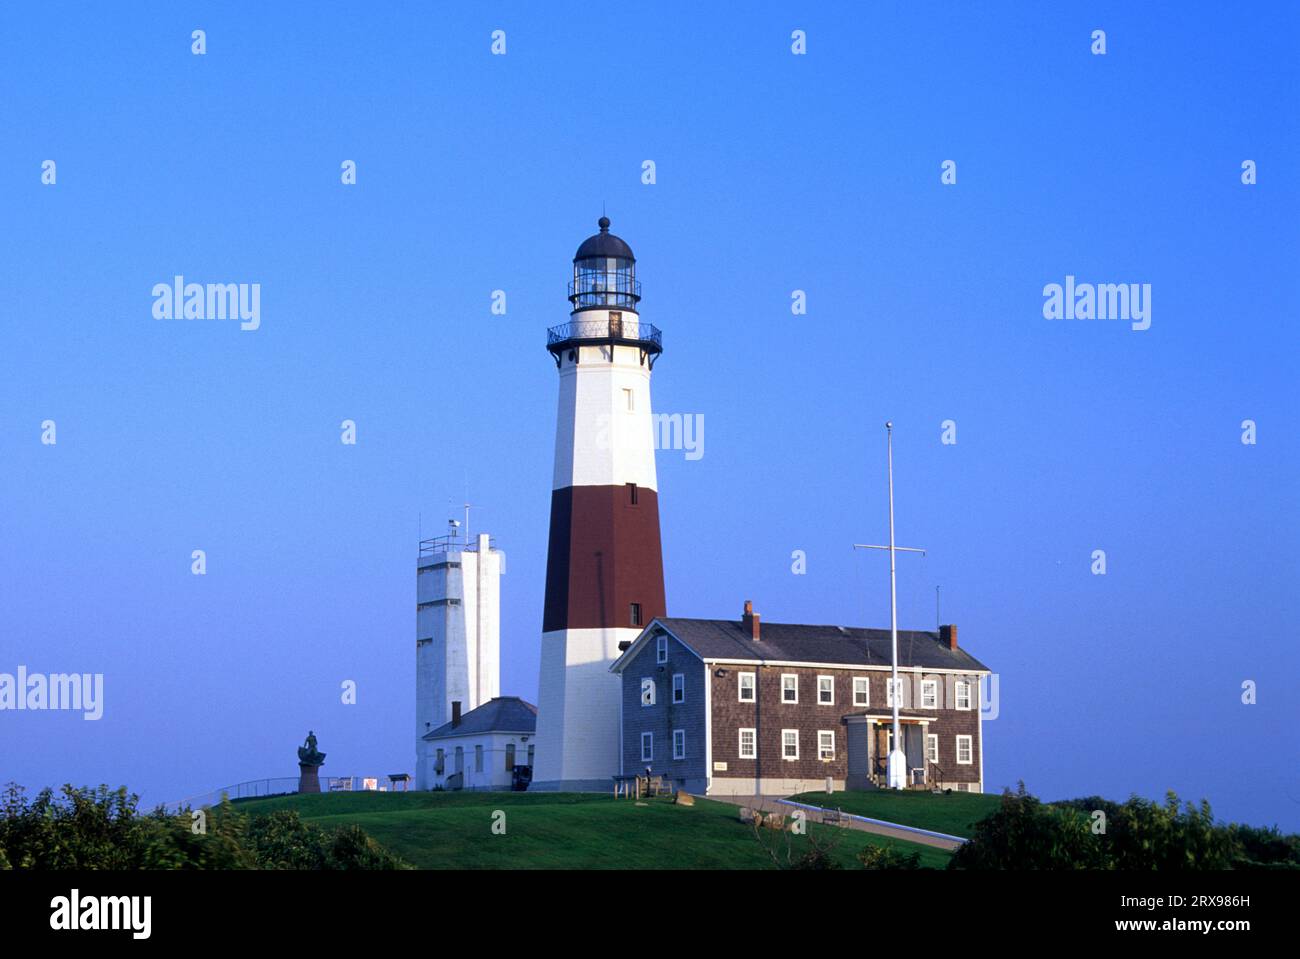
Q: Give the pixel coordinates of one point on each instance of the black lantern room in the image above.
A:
(604, 273)
(604, 287)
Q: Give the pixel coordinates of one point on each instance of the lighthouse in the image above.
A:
(604, 564)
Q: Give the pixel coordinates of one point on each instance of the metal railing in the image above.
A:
(450, 541)
(604, 331)
(275, 786)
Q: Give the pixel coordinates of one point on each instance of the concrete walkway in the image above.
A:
(862, 823)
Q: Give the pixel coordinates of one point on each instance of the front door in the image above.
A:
(880, 763)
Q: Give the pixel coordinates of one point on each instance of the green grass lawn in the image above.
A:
(951, 813)
(453, 830)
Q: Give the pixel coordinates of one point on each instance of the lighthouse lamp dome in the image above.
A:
(604, 273)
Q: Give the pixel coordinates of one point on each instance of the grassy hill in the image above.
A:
(453, 830)
(951, 813)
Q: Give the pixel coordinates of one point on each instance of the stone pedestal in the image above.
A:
(308, 778)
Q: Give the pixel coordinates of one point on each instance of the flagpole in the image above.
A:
(896, 763)
(893, 618)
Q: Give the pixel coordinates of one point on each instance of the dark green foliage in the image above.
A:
(1139, 834)
(1266, 848)
(103, 829)
(818, 857)
(1023, 833)
(282, 840)
(882, 857)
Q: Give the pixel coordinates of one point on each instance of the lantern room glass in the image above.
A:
(602, 282)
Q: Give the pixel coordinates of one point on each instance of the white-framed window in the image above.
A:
(478, 759)
(647, 691)
(826, 690)
(902, 692)
(661, 649)
(679, 687)
(647, 747)
(789, 744)
(961, 694)
(749, 744)
(439, 763)
(825, 744)
(861, 691)
(964, 751)
(679, 744)
(932, 747)
(627, 397)
(746, 683)
(789, 687)
(929, 693)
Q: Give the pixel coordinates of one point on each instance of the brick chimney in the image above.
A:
(455, 713)
(750, 620)
(948, 634)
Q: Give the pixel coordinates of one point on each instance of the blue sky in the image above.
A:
(775, 172)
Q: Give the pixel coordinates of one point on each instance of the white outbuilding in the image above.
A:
(482, 748)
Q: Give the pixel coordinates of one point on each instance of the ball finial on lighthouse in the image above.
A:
(603, 223)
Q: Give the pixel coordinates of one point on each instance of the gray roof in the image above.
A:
(503, 714)
(793, 643)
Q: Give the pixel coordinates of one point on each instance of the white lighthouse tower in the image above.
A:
(604, 566)
(457, 634)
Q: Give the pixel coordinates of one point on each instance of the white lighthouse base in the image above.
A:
(578, 710)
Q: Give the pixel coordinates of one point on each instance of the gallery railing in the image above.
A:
(615, 330)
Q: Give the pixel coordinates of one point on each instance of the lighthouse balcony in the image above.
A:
(613, 329)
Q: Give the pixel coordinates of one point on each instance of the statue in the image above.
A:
(309, 762)
(308, 754)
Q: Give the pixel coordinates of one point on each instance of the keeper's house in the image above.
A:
(732, 707)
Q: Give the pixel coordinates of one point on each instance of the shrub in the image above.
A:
(881, 857)
(1140, 834)
(99, 828)
(1023, 833)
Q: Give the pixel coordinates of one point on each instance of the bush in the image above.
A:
(85, 828)
(1139, 834)
(880, 857)
(1026, 834)
(1265, 848)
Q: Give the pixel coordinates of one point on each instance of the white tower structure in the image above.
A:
(457, 633)
(604, 568)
